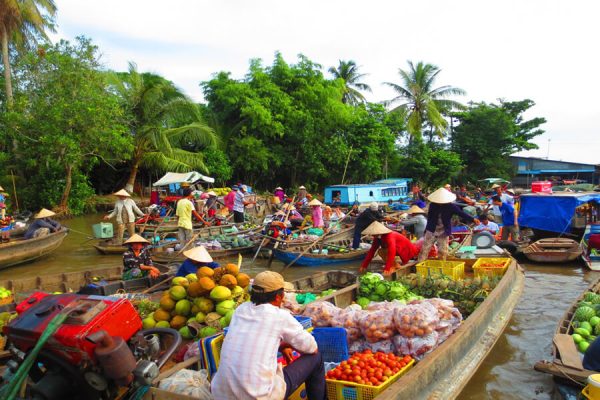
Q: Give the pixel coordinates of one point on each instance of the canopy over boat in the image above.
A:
(552, 212)
(171, 178)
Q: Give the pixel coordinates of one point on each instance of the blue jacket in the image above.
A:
(41, 223)
(189, 267)
(445, 211)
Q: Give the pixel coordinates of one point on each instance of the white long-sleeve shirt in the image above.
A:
(248, 367)
(130, 208)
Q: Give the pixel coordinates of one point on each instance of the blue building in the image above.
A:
(381, 191)
(531, 169)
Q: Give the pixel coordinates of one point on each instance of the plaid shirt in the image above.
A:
(248, 368)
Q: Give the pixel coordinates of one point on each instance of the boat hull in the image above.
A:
(553, 250)
(23, 251)
(166, 257)
(314, 260)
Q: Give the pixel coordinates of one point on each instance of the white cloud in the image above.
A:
(539, 49)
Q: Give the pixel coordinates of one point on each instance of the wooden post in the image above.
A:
(346, 166)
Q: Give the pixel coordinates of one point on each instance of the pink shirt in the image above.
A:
(317, 217)
(229, 200)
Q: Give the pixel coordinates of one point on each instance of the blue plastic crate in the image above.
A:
(306, 322)
(333, 343)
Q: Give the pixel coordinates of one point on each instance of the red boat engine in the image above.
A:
(99, 348)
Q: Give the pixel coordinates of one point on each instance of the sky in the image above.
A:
(544, 50)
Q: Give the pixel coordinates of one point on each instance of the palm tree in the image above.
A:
(423, 103)
(162, 122)
(22, 22)
(348, 72)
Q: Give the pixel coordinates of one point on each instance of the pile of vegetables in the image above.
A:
(586, 321)
(4, 293)
(372, 287)
(368, 368)
(200, 304)
(222, 191)
(466, 294)
(226, 242)
(5, 318)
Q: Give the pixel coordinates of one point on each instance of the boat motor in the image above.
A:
(98, 350)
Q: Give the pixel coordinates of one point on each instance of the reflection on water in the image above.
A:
(507, 373)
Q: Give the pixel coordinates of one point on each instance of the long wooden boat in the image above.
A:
(165, 256)
(444, 372)
(19, 251)
(331, 252)
(106, 247)
(345, 233)
(562, 366)
(554, 250)
(590, 261)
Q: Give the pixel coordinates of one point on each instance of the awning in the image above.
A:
(173, 177)
(552, 212)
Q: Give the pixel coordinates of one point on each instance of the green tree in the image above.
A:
(21, 23)
(488, 134)
(347, 71)
(67, 121)
(432, 165)
(423, 103)
(162, 121)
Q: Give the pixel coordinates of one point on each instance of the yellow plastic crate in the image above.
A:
(453, 269)
(483, 268)
(343, 390)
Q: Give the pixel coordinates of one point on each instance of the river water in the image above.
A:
(507, 373)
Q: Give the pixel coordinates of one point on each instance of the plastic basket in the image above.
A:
(333, 343)
(595, 228)
(103, 230)
(306, 322)
(482, 266)
(343, 390)
(454, 269)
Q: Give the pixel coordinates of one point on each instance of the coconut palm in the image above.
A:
(162, 121)
(424, 104)
(348, 72)
(22, 22)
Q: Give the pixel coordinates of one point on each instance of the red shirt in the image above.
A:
(396, 245)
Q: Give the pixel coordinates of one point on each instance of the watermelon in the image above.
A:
(584, 313)
(589, 297)
(587, 326)
(597, 329)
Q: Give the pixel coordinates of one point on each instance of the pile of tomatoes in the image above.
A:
(368, 368)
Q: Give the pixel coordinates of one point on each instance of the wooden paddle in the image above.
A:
(287, 215)
(568, 352)
(162, 222)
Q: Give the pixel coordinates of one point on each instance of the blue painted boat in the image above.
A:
(313, 260)
(382, 191)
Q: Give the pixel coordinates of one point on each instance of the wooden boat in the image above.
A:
(19, 251)
(554, 250)
(106, 247)
(566, 362)
(336, 252)
(444, 372)
(590, 261)
(346, 233)
(162, 255)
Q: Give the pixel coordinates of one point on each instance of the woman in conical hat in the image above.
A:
(196, 257)
(137, 262)
(417, 219)
(392, 244)
(125, 211)
(42, 225)
(439, 222)
(317, 213)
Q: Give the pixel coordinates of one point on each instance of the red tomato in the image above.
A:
(387, 372)
(361, 364)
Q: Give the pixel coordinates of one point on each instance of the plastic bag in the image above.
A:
(290, 303)
(417, 346)
(349, 320)
(377, 325)
(419, 319)
(385, 305)
(385, 346)
(188, 382)
(357, 346)
(321, 313)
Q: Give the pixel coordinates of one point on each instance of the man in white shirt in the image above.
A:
(248, 368)
(487, 225)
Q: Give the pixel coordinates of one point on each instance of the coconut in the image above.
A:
(228, 281)
(161, 315)
(243, 280)
(180, 280)
(200, 317)
(191, 278)
(162, 324)
(148, 323)
(205, 271)
(232, 269)
(208, 331)
(204, 305)
(220, 293)
(177, 293)
(167, 303)
(185, 333)
(195, 309)
(207, 284)
(219, 272)
(183, 307)
(225, 306)
(237, 292)
(195, 289)
(178, 322)
(212, 319)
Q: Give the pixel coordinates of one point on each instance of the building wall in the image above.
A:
(537, 169)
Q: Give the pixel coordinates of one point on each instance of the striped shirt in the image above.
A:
(248, 367)
(238, 202)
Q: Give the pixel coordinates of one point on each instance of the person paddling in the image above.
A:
(196, 258)
(43, 224)
(259, 328)
(137, 262)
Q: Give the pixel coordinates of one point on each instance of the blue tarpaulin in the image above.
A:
(552, 212)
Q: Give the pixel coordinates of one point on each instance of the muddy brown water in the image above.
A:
(507, 373)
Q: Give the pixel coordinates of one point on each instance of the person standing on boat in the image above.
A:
(3, 196)
(510, 223)
(280, 194)
(259, 329)
(317, 213)
(506, 198)
(486, 225)
(195, 258)
(184, 212)
(239, 205)
(439, 222)
(125, 211)
(366, 218)
(42, 225)
(417, 219)
(392, 244)
(302, 198)
(137, 262)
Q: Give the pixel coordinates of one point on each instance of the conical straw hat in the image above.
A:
(211, 193)
(288, 206)
(198, 254)
(123, 193)
(301, 187)
(315, 202)
(44, 213)
(136, 239)
(376, 228)
(442, 196)
(414, 209)
(1, 189)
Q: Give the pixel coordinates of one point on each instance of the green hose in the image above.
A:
(13, 387)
